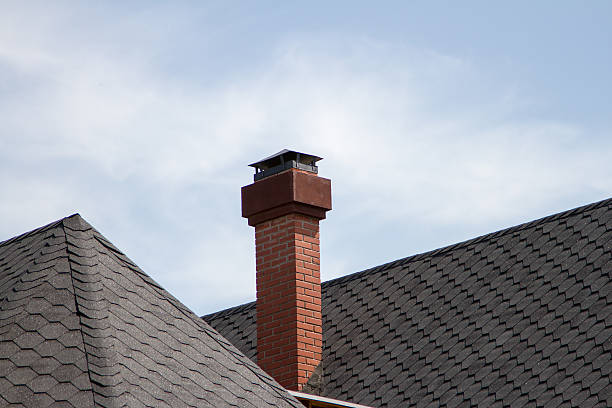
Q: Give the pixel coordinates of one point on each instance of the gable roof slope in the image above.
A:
(81, 325)
(519, 317)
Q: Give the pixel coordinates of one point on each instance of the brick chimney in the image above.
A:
(285, 204)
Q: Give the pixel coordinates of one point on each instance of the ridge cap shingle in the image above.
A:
(463, 244)
(80, 314)
(187, 315)
(39, 229)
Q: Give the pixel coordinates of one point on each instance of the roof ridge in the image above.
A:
(222, 342)
(86, 348)
(462, 244)
(37, 230)
(434, 252)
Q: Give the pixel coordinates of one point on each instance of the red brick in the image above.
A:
(289, 299)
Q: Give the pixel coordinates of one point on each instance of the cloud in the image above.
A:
(413, 140)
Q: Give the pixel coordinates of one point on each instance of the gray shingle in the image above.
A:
(81, 325)
(519, 317)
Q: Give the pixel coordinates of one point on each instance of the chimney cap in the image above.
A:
(283, 160)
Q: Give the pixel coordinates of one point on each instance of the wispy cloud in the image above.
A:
(411, 137)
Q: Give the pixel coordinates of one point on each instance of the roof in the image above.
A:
(519, 317)
(82, 325)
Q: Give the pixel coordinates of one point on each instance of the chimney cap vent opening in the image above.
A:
(284, 160)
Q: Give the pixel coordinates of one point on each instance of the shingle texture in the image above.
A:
(81, 325)
(521, 317)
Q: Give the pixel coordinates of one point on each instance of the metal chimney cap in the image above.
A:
(283, 160)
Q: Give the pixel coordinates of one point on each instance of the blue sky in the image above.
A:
(437, 121)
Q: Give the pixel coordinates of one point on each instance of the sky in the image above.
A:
(438, 121)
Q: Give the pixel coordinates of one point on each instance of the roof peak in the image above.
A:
(76, 217)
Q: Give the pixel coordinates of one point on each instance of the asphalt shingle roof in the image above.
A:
(81, 325)
(520, 317)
